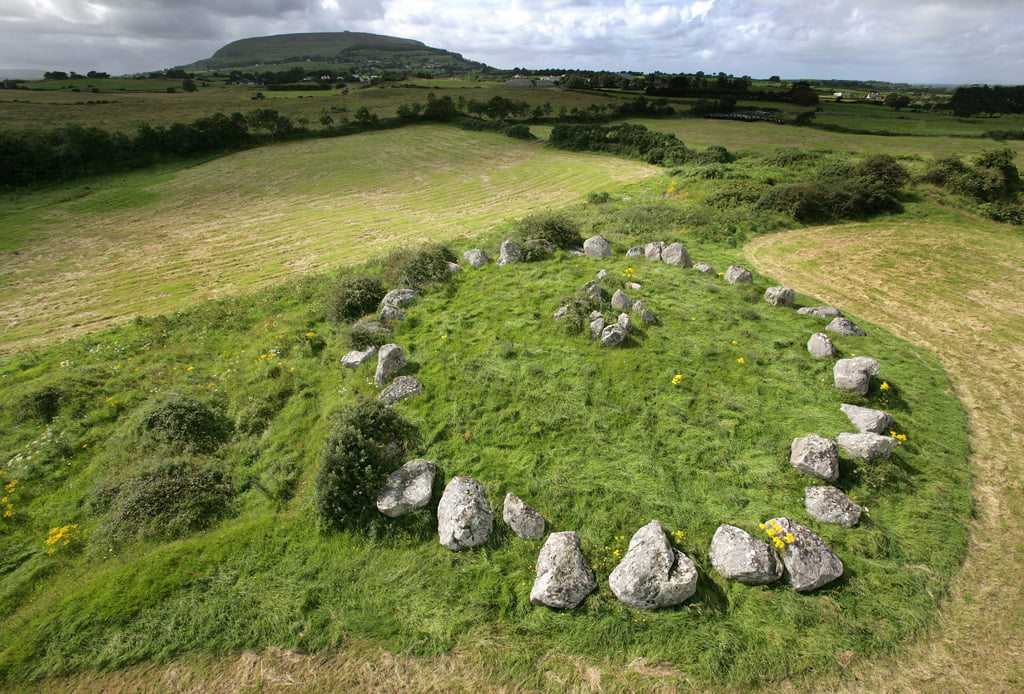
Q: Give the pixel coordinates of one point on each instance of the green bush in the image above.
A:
(1005, 211)
(41, 404)
(555, 227)
(419, 268)
(520, 132)
(184, 423)
(598, 198)
(884, 168)
(366, 443)
(831, 199)
(353, 297)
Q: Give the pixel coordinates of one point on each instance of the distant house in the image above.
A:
(518, 81)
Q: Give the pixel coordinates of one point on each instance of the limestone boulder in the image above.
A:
(705, 268)
(652, 251)
(780, 296)
(866, 420)
(845, 327)
(737, 274)
(407, 489)
(563, 576)
(399, 389)
(399, 298)
(625, 322)
(521, 518)
(739, 556)
(820, 346)
(356, 357)
(829, 505)
(635, 252)
(597, 247)
(854, 375)
(476, 257)
(390, 360)
(620, 301)
(819, 311)
(613, 335)
(809, 562)
(675, 254)
(561, 312)
(866, 447)
(511, 252)
(464, 517)
(453, 267)
(391, 313)
(653, 574)
(597, 328)
(816, 456)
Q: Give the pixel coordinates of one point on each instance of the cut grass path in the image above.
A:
(952, 285)
(72, 259)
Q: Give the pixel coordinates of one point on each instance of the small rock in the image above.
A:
(407, 489)
(453, 267)
(401, 388)
(399, 298)
(620, 301)
(357, 357)
(594, 315)
(866, 420)
(652, 251)
(737, 273)
(597, 327)
(464, 517)
(738, 555)
(845, 327)
(635, 252)
(675, 254)
(810, 563)
(854, 375)
(390, 313)
(563, 576)
(390, 360)
(612, 336)
(816, 456)
(536, 249)
(819, 311)
(575, 252)
(476, 257)
(867, 447)
(597, 247)
(561, 312)
(601, 274)
(653, 574)
(820, 346)
(647, 317)
(780, 296)
(625, 322)
(705, 268)
(633, 285)
(829, 505)
(524, 521)
(511, 252)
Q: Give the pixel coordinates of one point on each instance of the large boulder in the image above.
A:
(464, 517)
(854, 375)
(521, 518)
(705, 268)
(475, 257)
(399, 298)
(621, 301)
(563, 576)
(738, 555)
(820, 346)
(391, 313)
(625, 322)
(652, 251)
(356, 357)
(390, 360)
(511, 252)
(675, 254)
(597, 247)
(867, 447)
(780, 296)
(819, 311)
(597, 328)
(613, 335)
(845, 327)
(407, 489)
(829, 505)
(810, 563)
(653, 574)
(815, 456)
(401, 388)
(866, 420)
(737, 274)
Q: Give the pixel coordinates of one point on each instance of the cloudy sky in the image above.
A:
(936, 41)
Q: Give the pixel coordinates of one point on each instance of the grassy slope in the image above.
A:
(243, 221)
(598, 440)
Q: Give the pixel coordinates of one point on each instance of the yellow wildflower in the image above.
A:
(310, 334)
(885, 385)
(677, 379)
(734, 343)
(741, 360)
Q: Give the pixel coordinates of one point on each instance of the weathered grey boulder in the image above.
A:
(632, 285)
(866, 420)
(601, 274)
(475, 257)
(815, 456)
(612, 336)
(780, 296)
(829, 505)
(399, 298)
(737, 274)
(638, 306)
(635, 252)
(810, 563)
(356, 357)
(620, 301)
(511, 252)
(738, 555)
(845, 327)
(653, 574)
(819, 311)
(854, 375)
(594, 315)
(594, 291)
(563, 576)
(597, 247)
(390, 360)
(625, 322)
(453, 267)
(390, 313)
(575, 252)
(647, 317)
(561, 312)
(652, 251)
(867, 447)
(407, 489)
(401, 388)
(597, 327)
(535, 249)
(705, 268)
(464, 517)
(820, 346)
(675, 254)
(522, 519)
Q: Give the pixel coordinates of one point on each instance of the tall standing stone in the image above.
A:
(390, 360)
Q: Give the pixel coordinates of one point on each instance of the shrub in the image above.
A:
(353, 297)
(884, 168)
(1005, 211)
(184, 423)
(520, 132)
(555, 227)
(365, 444)
(645, 220)
(40, 405)
(418, 268)
(598, 198)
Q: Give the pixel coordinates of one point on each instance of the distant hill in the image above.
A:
(339, 50)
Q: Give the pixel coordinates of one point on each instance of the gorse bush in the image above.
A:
(183, 423)
(520, 132)
(41, 404)
(366, 443)
(992, 176)
(419, 268)
(625, 140)
(557, 228)
(353, 297)
(883, 168)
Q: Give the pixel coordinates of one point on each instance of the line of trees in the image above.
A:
(991, 101)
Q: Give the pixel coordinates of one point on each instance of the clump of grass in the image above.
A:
(557, 228)
(419, 268)
(183, 423)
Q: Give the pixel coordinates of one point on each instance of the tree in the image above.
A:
(801, 94)
(897, 101)
(188, 85)
(774, 78)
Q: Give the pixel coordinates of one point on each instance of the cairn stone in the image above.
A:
(675, 254)
(612, 336)
(737, 274)
(854, 375)
(464, 517)
(594, 315)
(705, 268)
(845, 327)
(820, 346)
(780, 296)
(653, 574)
(866, 420)
(390, 360)
(511, 252)
(399, 298)
(475, 257)
(829, 505)
(652, 251)
(390, 313)
(647, 317)
(868, 447)
(407, 489)
(816, 456)
(739, 556)
(356, 357)
(453, 267)
(635, 252)
(597, 327)
(819, 311)
(563, 576)
(597, 247)
(810, 563)
(625, 322)
(522, 519)
(401, 388)
(620, 301)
